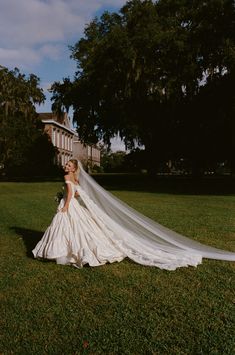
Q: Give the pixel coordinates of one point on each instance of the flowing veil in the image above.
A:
(144, 240)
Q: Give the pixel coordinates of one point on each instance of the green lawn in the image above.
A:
(122, 308)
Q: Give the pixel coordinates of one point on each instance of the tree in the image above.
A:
(113, 161)
(142, 71)
(21, 129)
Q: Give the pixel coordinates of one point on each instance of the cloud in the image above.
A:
(27, 58)
(33, 30)
(12, 57)
(32, 22)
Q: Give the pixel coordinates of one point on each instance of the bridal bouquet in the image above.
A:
(58, 197)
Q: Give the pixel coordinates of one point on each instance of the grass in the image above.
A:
(121, 308)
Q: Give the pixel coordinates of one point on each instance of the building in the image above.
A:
(89, 154)
(66, 140)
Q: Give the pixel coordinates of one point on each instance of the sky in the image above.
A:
(35, 35)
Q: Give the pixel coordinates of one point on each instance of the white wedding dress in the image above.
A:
(78, 236)
(99, 228)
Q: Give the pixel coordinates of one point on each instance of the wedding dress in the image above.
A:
(99, 228)
(78, 236)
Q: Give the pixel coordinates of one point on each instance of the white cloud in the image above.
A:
(32, 30)
(12, 57)
(27, 58)
(31, 22)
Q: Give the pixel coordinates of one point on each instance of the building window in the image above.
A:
(58, 139)
(54, 137)
(66, 141)
(62, 146)
(63, 163)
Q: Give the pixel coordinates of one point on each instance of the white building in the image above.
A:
(66, 140)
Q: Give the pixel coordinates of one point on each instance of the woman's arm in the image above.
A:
(68, 195)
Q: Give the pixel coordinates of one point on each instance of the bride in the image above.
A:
(98, 228)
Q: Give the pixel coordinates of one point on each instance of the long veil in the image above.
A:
(143, 237)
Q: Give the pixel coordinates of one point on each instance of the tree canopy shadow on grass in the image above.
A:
(30, 238)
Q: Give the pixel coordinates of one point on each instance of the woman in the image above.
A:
(99, 228)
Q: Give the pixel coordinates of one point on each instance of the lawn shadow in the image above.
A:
(30, 238)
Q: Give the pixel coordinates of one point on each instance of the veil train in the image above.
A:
(142, 239)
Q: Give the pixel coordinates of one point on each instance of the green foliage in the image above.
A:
(113, 162)
(24, 148)
(121, 308)
(121, 161)
(142, 72)
(18, 94)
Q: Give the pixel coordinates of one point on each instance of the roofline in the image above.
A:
(60, 125)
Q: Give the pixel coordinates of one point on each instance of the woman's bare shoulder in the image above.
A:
(67, 178)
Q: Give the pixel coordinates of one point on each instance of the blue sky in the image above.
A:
(35, 35)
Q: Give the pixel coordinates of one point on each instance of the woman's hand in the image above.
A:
(64, 209)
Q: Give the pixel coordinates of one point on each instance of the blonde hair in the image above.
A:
(76, 167)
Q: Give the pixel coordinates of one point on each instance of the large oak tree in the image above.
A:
(159, 73)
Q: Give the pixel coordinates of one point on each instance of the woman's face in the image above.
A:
(69, 167)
